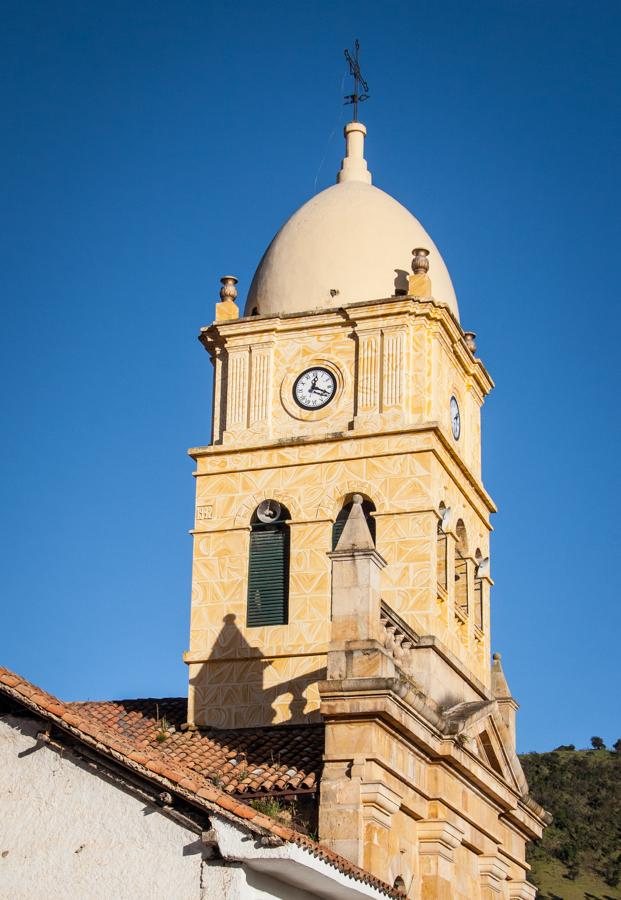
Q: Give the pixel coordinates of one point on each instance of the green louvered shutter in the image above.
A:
(337, 530)
(268, 575)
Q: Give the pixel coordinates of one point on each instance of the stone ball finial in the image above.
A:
(228, 291)
(497, 656)
(470, 341)
(420, 263)
(357, 498)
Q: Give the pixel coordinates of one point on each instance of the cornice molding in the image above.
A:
(351, 314)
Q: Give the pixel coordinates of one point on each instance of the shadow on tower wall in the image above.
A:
(238, 687)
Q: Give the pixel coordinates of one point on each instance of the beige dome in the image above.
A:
(350, 243)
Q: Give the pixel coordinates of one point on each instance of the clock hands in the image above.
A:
(317, 390)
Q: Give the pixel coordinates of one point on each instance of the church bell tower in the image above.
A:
(341, 544)
(347, 374)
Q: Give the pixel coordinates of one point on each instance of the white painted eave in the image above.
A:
(289, 863)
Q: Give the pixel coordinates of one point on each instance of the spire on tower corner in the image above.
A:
(356, 534)
(500, 688)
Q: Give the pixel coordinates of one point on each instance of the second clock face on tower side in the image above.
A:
(455, 419)
(314, 388)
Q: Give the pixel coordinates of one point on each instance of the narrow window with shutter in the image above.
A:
(368, 507)
(268, 566)
(461, 569)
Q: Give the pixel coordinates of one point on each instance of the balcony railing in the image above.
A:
(399, 637)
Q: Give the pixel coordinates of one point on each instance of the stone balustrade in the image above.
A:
(399, 638)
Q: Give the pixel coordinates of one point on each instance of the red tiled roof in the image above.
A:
(119, 739)
(246, 761)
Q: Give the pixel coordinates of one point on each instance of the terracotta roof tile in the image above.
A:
(71, 719)
(255, 760)
(193, 760)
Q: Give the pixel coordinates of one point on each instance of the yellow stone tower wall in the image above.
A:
(387, 435)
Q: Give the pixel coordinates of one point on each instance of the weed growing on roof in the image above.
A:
(164, 728)
(287, 813)
(275, 808)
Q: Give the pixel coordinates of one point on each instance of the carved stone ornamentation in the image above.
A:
(470, 341)
(227, 308)
(228, 291)
(420, 263)
(419, 284)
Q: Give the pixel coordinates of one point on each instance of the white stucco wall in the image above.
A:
(67, 833)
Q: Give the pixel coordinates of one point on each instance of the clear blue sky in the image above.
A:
(149, 148)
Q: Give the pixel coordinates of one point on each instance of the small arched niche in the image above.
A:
(268, 565)
(399, 885)
(368, 508)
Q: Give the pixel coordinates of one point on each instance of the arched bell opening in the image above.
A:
(481, 566)
(442, 547)
(268, 565)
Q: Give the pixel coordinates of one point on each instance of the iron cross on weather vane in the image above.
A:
(354, 69)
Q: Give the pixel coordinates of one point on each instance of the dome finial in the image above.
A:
(354, 165)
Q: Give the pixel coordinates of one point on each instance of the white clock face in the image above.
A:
(314, 388)
(455, 419)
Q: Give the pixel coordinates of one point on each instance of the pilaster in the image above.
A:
(368, 376)
(493, 872)
(237, 371)
(379, 805)
(260, 393)
(437, 841)
(521, 890)
(396, 353)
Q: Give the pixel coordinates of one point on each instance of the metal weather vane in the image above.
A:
(359, 82)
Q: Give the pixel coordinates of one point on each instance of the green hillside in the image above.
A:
(579, 857)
